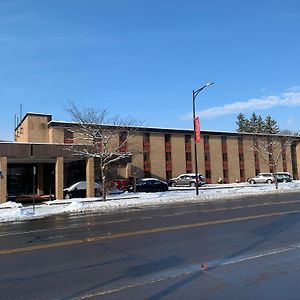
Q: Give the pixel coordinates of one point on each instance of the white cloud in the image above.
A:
(295, 88)
(287, 99)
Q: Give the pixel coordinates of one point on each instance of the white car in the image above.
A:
(188, 179)
(78, 190)
(262, 178)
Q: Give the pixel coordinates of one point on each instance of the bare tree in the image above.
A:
(272, 150)
(102, 137)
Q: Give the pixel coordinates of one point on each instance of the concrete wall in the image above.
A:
(137, 166)
(90, 177)
(59, 177)
(216, 161)
(289, 160)
(158, 162)
(233, 159)
(178, 155)
(34, 128)
(298, 158)
(249, 162)
(200, 157)
(56, 135)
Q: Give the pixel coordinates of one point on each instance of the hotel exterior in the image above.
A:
(38, 162)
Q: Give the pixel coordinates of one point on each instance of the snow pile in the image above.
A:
(11, 211)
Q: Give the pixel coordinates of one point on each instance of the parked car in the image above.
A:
(284, 177)
(78, 190)
(150, 185)
(188, 179)
(262, 178)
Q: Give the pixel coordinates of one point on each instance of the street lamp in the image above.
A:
(195, 94)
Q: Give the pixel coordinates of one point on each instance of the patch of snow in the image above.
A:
(11, 211)
(10, 204)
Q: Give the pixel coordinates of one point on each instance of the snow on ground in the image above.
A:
(12, 212)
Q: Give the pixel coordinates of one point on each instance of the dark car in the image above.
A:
(78, 190)
(150, 185)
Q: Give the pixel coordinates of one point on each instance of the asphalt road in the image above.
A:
(235, 249)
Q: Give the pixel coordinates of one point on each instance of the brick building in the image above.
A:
(38, 158)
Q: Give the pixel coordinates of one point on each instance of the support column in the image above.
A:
(90, 177)
(127, 170)
(59, 178)
(3, 179)
(40, 179)
(298, 160)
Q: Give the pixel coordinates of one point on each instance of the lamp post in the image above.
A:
(195, 94)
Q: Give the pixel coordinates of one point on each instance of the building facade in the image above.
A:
(163, 153)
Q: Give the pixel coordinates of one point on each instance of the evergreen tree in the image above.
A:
(271, 126)
(241, 123)
(260, 125)
(253, 123)
(256, 124)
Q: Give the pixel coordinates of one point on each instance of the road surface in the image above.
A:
(235, 249)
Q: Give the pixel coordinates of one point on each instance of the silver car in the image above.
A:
(188, 179)
(262, 178)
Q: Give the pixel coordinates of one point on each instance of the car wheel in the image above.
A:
(98, 194)
(68, 196)
(173, 184)
(252, 181)
(193, 184)
(269, 181)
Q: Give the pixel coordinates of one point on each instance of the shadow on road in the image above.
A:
(265, 233)
(144, 269)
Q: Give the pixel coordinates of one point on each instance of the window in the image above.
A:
(223, 140)
(122, 141)
(147, 174)
(167, 138)
(168, 156)
(187, 139)
(224, 156)
(242, 173)
(146, 137)
(188, 156)
(68, 136)
(122, 136)
(169, 174)
(206, 140)
(146, 156)
(207, 174)
(283, 156)
(225, 173)
(240, 141)
(206, 156)
(241, 156)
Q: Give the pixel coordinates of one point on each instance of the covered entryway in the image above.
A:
(41, 170)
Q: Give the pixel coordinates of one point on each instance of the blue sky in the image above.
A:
(143, 58)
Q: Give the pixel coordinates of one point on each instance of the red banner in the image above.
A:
(197, 130)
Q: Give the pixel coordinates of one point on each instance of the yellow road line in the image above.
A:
(140, 232)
